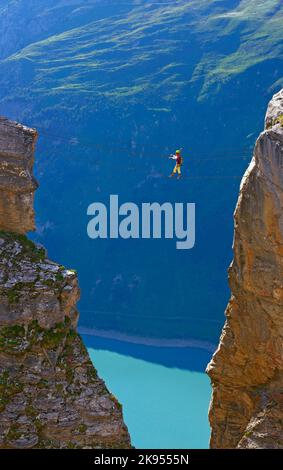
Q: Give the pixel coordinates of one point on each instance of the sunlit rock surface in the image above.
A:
(17, 184)
(50, 394)
(246, 370)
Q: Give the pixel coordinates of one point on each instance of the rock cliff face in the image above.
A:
(50, 394)
(247, 369)
(17, 183)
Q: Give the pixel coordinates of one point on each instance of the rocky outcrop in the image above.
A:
(17, 183)
(50, 394)
(247, 369)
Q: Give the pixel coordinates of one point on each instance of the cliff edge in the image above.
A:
(50, 394)
(17, 183)
(246, 371)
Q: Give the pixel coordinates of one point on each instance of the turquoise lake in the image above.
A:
(164, 391)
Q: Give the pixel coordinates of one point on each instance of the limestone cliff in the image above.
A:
(50, 394)
(246, 410)
(17, 183)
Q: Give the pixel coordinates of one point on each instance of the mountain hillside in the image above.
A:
(117, 86)
(137, 50)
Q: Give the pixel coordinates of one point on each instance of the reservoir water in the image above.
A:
(164, 391)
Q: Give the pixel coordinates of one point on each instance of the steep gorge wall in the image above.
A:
(17, 184)
(247, 369)
(50, 393)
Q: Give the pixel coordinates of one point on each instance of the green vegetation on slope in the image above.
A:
(132, 54)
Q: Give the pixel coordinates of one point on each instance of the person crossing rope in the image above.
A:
(179, 162)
